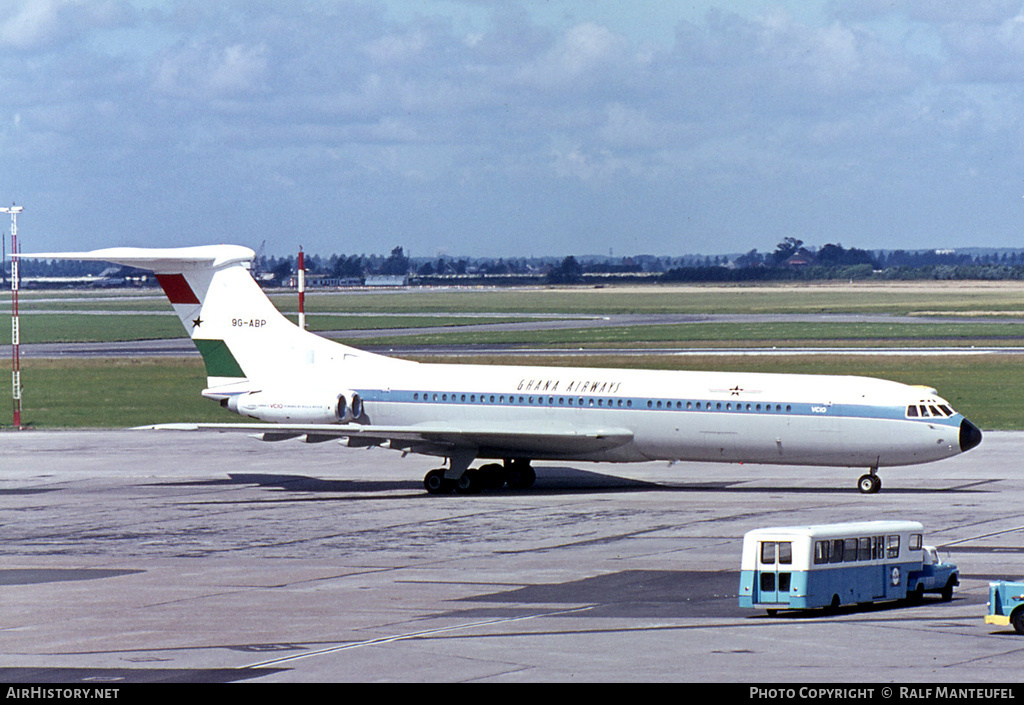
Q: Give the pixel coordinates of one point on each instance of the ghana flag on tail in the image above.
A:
(243, 339)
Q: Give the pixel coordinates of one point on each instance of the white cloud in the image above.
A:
(585, 55)
(31, 25)
(204, 71)
(44, 24)
(384, 121)
(398, 48)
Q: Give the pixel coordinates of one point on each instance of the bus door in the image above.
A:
(892, 581)
(774, 571)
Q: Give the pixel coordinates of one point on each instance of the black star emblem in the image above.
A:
(736, 390)
(196, 322)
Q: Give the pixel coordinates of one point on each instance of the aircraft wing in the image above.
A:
(434, 438)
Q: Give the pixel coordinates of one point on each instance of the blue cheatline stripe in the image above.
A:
(564, 401)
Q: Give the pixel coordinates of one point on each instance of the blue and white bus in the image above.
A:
(806, 567)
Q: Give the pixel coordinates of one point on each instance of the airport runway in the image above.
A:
(132, 556)
(179, 347)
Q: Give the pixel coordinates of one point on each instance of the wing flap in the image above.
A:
(439, 437)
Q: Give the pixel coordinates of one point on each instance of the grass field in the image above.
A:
(113, 393)
(132, 325)
(118, 393)
(50, 328)
(905, 298)
(734, 334)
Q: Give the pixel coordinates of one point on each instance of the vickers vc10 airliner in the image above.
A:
(262, 366)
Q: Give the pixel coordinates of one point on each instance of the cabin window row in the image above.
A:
(601, 402)
(863, 548)
(514, 399)
(717, 406)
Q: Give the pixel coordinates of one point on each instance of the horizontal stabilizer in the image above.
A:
(158, 259)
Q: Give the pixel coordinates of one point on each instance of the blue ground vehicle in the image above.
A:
(1006, 604)
(828, 565)
(934, 576)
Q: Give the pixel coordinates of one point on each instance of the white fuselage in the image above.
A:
(262, 366)
(672, 415)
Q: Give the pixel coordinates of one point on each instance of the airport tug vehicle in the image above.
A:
(1006, 604)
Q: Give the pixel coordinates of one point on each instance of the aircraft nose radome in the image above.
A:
(970, 436)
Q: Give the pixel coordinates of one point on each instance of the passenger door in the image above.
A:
(774, 566)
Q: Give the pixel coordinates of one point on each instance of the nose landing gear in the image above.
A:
(870, 483)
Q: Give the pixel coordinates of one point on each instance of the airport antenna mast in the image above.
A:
(301, 274)
(15, 322)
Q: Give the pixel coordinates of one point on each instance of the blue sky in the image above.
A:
(513, 128)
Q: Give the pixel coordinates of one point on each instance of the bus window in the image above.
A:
(821, 552)
(915, 542)
(892, 546)
(864, 549)
(785, 553)
(773, 552)
(849, 550)
(836, 555)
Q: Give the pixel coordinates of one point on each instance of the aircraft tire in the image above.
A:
(468, 483)
(521, 476)
(492, 476)
(869, 484)
(434, 482)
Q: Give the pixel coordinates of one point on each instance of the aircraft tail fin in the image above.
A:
(241, 336)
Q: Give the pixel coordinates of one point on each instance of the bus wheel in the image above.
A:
(917, 596)
(833, 606)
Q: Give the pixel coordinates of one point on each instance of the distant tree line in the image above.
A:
(791, 260)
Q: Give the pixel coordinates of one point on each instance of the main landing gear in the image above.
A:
(515, 474)
(870, 483)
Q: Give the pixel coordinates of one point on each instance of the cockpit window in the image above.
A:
(929, 408)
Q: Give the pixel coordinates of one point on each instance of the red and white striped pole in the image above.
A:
(302, 290)
(15, 320)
